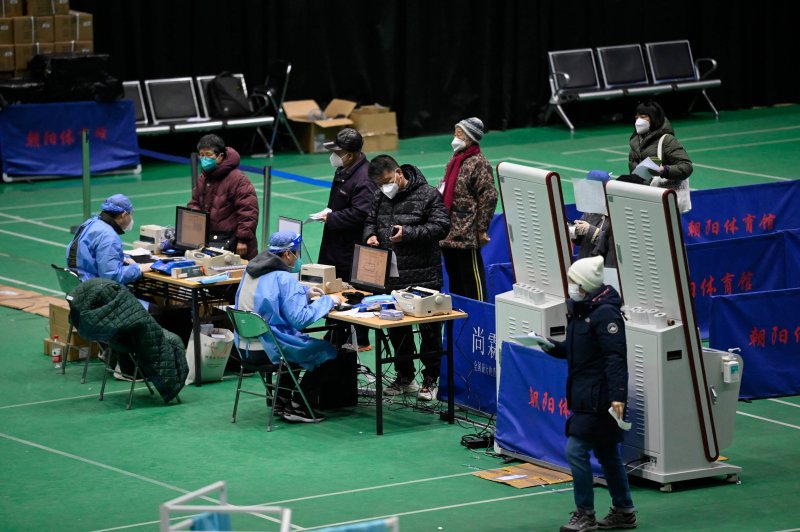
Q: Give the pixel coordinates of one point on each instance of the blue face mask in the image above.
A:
(208, 163)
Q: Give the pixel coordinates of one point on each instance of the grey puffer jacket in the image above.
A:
(420, 210)
(676, 161)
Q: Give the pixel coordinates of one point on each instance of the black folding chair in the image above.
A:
(271, 96)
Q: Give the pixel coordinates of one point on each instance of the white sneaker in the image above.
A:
(428, 391)
(120, 377)
(401, 386)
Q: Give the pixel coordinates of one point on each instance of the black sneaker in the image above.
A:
(298, 414)
(580, 522)
(617, 519)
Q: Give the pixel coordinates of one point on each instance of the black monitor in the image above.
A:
(293, 225)
(371, 267)
(191, 228)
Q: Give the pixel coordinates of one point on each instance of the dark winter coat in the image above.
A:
(596, 353)
(106, 311)
(676, 161)
(420, 210)
(350, 201)
(598, 240)
(474, 202)
(231, 201)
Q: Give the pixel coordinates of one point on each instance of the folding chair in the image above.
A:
(249, 326)
(216, 516)
(272, 95)
(67, 282)
(137, 373)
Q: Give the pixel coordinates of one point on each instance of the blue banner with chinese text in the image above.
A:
(45, 139)
(474, 350)
(532, 405)
(766, 326)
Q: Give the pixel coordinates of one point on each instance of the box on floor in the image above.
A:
(312, 126)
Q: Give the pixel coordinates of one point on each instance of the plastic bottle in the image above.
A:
(56, 354)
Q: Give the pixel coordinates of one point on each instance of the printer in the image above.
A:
(151, 237)
(321, 276)
(421, 302)
(216, 258)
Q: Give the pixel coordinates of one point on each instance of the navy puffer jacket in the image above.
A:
(596, 353)
(419, 208)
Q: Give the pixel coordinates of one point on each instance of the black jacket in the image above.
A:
(676, 160)
(350, 201)
(420, 210)
(596, 351)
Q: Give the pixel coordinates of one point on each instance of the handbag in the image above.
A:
(681, 187)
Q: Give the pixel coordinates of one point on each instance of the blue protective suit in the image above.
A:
(268, 289)
(99, 252)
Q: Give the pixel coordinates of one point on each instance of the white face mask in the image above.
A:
(128, 227)
(336, 161)
(390, 190)
(642, 126)
(574, 292)
(458, 144)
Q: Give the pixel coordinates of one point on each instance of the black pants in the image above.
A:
(309, 383)
(466, 273)
(340, 335)
(402, 339)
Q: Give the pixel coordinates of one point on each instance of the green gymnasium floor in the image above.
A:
(69, 462)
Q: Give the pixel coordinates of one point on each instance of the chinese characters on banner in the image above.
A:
(483, 351)
(42, 138)
(546, 403)
(731, 227)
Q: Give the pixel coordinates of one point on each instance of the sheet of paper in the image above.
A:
(393, 271)
(649, 164)
(137, 252)
(317, 216)
(531, 339)
(624, 425)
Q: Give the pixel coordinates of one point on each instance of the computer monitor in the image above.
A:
(191, 228)
(293, 225)
(371, 267)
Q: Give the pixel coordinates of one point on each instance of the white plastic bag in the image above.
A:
(214, 352)
(681, 187)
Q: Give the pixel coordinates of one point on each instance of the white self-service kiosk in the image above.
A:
(682, 397)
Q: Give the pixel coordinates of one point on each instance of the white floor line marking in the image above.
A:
(784, 402)
(548, 166)
(769, 420)
(62, 245)
(62, 399)
(704, 137)
(94, 463)
(726, 170)
(439, 508)
(20, 219)
(370, 488)
(36, 286)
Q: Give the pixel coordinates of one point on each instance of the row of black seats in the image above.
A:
(173, 105)
(623, 71)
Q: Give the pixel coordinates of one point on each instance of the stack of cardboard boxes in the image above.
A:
(376, 124)
(32, 27)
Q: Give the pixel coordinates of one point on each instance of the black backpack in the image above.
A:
(226, 97)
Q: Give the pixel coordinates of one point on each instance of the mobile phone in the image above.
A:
(395, 230)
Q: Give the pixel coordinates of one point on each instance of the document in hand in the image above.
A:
(624, 425)
(317, 216)
(532, 339)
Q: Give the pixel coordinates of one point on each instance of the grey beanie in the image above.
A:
(473, 128)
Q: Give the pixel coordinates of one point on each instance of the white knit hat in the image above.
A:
(588, 273)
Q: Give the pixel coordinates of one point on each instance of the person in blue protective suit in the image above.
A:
(597, 379)
(96, 248)
(270, 289)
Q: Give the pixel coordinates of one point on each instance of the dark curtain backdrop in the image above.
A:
(436, 62)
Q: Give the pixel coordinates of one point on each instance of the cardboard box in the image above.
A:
(7, 58)
(6, 30)
(29, 30)
(312, 131)
(59, 326)
(75, 26)
(378, 126)
(47, 7)
(77, 47)
(24, 53)
(376, 144)
(10, 8)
